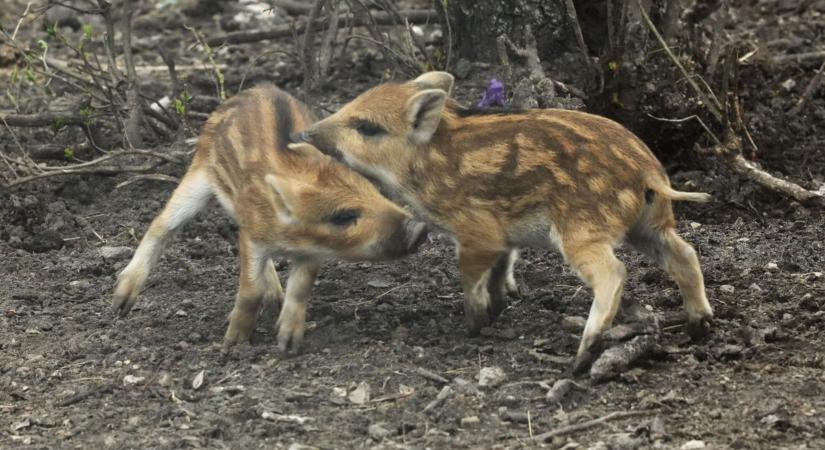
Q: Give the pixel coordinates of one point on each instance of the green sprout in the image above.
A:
(68, 153)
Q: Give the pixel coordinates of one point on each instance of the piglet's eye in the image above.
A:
(345, 217)
(369, 129)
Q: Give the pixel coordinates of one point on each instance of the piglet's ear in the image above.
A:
(424, 111)
(308, 151)
(436, 80)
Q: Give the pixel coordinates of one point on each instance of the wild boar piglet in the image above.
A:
(534, 178)
(287, 200)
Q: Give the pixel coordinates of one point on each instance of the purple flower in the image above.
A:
(494, 96)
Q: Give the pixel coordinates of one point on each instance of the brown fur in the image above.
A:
(284, 200)
(567, 179)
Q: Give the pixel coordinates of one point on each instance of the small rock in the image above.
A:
(80, 284)
(559, 390)
(624, 441)
(339, 392)
(181, 313)
(692, 445)
(573, 323)
(516, 417)
(470, 421)
(616, 360)
(197, 382)
(379, 283)
(788, 84)
(297, 446)
(755, 287)
(657, 428)
(132, 379)
(165, 379)
(487, 331)
(377, 431)
(463, 68)
(360, 394)
(508, 333)
(772, 267)
(727, 289)
(114, 253)
(491, 376)
(695, 225)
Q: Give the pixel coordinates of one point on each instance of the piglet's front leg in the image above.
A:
(475, 265)
(292, 321)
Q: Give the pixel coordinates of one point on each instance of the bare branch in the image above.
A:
(809, 91)
(570, 429)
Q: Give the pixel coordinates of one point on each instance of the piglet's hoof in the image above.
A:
(475, 323)
(582, 362)
(697, 329)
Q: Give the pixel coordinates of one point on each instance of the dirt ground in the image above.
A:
(71, 376)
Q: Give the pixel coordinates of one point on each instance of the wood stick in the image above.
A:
(809, 91)
(44, 119)
(570, 429)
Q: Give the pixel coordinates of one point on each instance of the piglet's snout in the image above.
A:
(303, 136)
(405, 239)
(416, 234)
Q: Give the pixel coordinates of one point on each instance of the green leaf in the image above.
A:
(51, 29)
(14, 75)
(180, 107)
(29, 74)
(68, 153)
(12, 98)
(87, 31)
(42, 44)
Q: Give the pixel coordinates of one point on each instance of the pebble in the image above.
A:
(491, 376)
(378, 432)
(573, 323)
(115, 253)
(559, 390)
(657, 427)
(695, 225)
(470, 421)
(80, 284)
(361, 394)
(692, 445)
(755, 287)
(727, 289)
(131, 379)
(772, 266)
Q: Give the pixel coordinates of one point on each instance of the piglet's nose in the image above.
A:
(416, 234)
(303, 136)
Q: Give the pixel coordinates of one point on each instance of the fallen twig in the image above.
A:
(798, 57)
(445, 392)
(282, 31)
(754, 172)
(432, 376)
(79, 397)
(809, 91)
(44, 119)
(570, 429)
